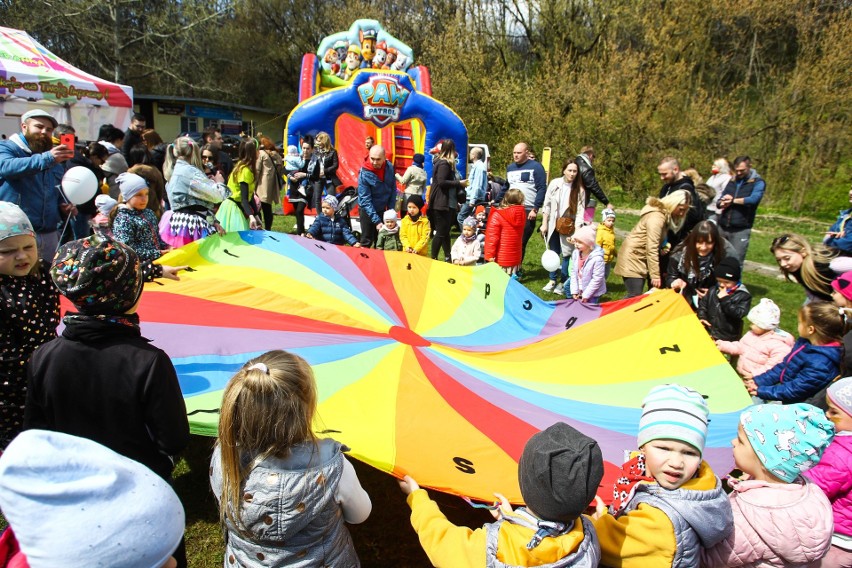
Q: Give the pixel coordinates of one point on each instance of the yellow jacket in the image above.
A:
(605, 237)
(459, 547)
(415, 234)
(645, 537)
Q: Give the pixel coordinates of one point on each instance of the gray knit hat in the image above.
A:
(13, 221)
(559, 472)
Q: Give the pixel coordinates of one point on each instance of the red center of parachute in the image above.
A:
(405, 335)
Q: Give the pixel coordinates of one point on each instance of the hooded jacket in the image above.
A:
(592, 282)
(639, 255)
(758, 353)
(663, 528)
(725, 315)
(805, 371)
(504, 235)
(833, 474)
(775, 524)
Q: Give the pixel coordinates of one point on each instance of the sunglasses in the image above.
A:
(778, 241)
(207, 156)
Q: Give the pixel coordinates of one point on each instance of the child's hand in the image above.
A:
(171, 272)
(600, 508)
(309, 236)
(746, 375)
(357, 245)
(706, 324)
(678, 285)
(504, 508)
(408, 485)
(751, 387)
(722, 292)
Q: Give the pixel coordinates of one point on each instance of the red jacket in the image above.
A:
(504, 235)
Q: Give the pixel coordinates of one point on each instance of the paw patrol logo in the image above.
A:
(382, 97)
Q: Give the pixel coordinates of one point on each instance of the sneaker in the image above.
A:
(549, 286)
(559, 289)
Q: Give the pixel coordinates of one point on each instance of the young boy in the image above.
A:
(726, 303)
(389, 234)
(605, 237)
(674, 505)
(414, 231)
(559, 472)
(330, 227)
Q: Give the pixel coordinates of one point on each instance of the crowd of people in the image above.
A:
(790, 506)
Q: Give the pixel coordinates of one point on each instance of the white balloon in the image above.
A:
(79, 184)
(550, 260)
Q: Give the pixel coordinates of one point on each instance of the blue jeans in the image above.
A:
(554, 245)
(465, 211)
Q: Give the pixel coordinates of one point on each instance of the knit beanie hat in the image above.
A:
(72, 501)
(105, 203)
(840, 394)
(479, 209)
(607, 213)
(419, 159)
(673, 412)
(130, 184)
(389, 215)
(559, 472)
(331, 200)
(13, 221)
(98, 274)
(788, 439)
(729, 269)
(416, 200)
(470, 222)
(843, 285)
(765, 315)
(585, 235)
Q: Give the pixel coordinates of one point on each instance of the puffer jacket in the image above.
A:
(504, 235)
(833, 474)
(639, 255)
(332, 230)
(844, 241)
(591, 283)
(804, 371)
(758, 353)
(775, 524)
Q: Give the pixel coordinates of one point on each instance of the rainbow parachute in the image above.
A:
(426, 368)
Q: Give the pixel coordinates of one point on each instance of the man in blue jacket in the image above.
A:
(30, 175)
(376, 194)
(738, 205)
(529, 176)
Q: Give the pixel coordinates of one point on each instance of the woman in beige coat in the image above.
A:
(639, 255)
(269, 181)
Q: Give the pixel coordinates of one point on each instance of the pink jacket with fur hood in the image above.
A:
(758, 353)
(833, 474)
(775, 524)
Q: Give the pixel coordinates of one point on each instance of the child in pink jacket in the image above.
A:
(764, 346)
(780, 518)
(833, 474)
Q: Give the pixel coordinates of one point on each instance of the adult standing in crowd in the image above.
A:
(82, 213)
(738, 205)
(30, 172)
(213, 136)
(477, 184)
(328, 163)
(133, 136)
(721, 171)
(444, 197)
(112, 139)
(566, 197)
(839, 235)
(376, 194)
(529, 176)
(156, 146)
(269, 179)
(413, 181)
(674, 180)
(639, 255)
(584, 162)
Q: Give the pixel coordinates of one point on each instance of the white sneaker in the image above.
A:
(559, 289)
(549, 286)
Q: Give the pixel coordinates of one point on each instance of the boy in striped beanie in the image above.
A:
(668, 503)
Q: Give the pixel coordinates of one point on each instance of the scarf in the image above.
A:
(124, 320)
(468, 240)
(380, 173)
(414, 218)
(393, 231)
(632, 472)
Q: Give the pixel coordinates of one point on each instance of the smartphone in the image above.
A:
(67, 140)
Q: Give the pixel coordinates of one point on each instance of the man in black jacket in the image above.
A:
(673, 179)
(587, 173)
(133, 136)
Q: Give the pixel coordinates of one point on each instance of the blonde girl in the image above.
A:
(805, 264)
(240, 212)
(812, 364)
(283, 493)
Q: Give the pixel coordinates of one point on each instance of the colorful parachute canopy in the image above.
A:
(426, 368)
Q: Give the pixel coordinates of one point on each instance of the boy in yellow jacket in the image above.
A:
(605, 237)
(559, 472)
(668, 503)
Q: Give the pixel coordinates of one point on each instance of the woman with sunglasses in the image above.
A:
(210, 159)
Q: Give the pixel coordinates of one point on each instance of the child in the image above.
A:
(504, 237)
(466, 250)
(605, 238)
(389, 234)
(833, 473)
(240, 212)
(29, 313)
(414, 229)
(74, 384)
(665, 516)
(105, 205)
(780, 519)
(588, 269)
(293, 161)
(841, 294)
(56, 490)
(559, 472)
(722, 308)
(813, 362)
(134, 224)
(764, 346)
(692, 264)
(330, 227)
(283, 494)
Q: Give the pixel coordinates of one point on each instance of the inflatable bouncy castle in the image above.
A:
(363, 82)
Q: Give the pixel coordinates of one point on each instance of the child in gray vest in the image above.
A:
(559, 472)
